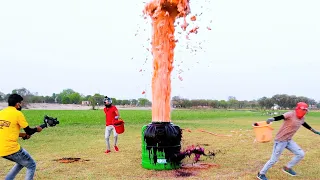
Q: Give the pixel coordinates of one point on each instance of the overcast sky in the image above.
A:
(254, 49)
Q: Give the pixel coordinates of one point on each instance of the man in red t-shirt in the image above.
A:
(112, 115)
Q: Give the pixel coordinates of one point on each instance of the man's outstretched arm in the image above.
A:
(306, 125)
(30, 131)
(277, 118)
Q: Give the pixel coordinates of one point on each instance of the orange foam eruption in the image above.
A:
(163, 14)
(193, 18)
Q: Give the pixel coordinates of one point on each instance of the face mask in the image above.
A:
(301, 109)
(300, 113)
(19, 108)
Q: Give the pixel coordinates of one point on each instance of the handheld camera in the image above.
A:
(49, 122)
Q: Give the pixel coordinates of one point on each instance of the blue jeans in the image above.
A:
(22, 159)
(278, 148)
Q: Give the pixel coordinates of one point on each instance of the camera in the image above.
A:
(49, 122)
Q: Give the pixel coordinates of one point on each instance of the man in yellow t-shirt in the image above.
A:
(11, 121)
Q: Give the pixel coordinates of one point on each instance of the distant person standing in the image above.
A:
(283, 140)
(112, 115)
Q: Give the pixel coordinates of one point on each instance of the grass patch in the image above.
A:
(80, 134)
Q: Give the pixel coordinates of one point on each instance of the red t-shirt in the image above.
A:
(110, 114)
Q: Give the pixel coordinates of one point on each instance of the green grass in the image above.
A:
(81, 134)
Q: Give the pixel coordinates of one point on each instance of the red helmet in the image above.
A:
(301, 109)
(302, 105)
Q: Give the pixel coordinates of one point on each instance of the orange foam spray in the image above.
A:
(163, 14)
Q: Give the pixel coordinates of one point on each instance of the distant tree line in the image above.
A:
(279, 101)
(69, 96)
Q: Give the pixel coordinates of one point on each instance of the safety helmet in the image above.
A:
(302, 105)
(107, 100)
(301, 109)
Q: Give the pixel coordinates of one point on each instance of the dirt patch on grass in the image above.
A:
(188, 170)
(183, 173)
(70, 160)
(199, 166)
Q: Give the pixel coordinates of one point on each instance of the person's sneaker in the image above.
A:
(116, 148)
(261, 176)
(289, 171)
(107, 151)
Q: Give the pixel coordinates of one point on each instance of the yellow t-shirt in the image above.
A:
(11, 121)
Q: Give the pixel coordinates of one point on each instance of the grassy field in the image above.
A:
(81, 134)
